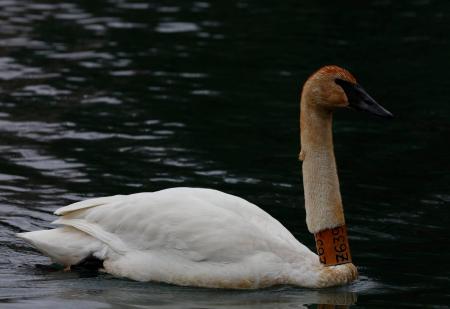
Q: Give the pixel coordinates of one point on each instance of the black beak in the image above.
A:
(359, 99)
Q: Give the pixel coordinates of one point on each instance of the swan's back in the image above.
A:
(187, 236)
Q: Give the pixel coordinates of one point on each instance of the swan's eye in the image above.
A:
(343, 83)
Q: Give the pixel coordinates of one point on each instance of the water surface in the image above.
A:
(116, 97)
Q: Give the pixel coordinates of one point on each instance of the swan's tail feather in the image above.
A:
(65, 245)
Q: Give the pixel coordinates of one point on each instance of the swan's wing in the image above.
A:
(196, 224)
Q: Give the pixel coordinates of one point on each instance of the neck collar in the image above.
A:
(332, 246)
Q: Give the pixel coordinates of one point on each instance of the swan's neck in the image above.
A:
(320, 180)
(324, 212)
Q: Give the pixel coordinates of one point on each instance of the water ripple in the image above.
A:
(46, 132)
(176, 27)
(10, 70)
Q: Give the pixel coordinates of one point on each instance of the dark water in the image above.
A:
(106, 97)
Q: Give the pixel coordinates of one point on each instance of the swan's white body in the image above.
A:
(184, 236)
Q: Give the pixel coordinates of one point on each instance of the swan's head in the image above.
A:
(333, 87)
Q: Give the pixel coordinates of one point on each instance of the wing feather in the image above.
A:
(86, 204)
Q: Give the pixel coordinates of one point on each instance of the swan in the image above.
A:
(207, 238)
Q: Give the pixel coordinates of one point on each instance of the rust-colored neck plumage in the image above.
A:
(320, 180)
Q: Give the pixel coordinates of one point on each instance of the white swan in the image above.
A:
(207, 238)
